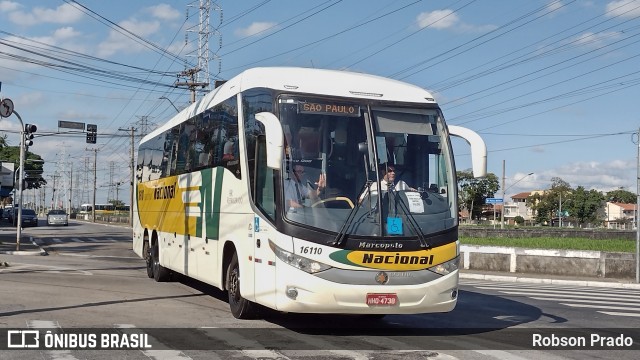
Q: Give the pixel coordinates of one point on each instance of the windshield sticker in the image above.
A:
(416, 205)
(394, 226)
(396, 260)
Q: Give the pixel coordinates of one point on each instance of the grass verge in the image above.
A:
(612, 245)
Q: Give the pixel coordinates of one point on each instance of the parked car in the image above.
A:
(6, 213)
(29, 217)
(57, 217)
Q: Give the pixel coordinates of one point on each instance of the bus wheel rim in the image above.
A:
(234, 284)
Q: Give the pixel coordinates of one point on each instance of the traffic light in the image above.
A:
(29, 129)
(92, 133)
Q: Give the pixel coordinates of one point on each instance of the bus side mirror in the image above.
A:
(274, 137)
(478, 148)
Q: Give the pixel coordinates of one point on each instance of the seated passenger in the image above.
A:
(388, 181)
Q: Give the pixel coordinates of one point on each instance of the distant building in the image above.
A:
(620, 216)
(518, 207)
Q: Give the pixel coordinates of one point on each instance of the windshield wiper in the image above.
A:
(342, 234)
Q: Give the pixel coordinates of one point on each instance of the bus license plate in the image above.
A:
(382, 299)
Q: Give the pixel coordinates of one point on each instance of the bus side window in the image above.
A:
(264, 194)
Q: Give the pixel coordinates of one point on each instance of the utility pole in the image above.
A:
(133, 169)
(70, 187)
(111, 183)
(191, 84)
(53, 194)
(560, 210)
(503, 199)
(95, 182)
(85, 182)
(637, 211)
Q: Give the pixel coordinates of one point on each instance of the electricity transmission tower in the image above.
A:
(200, 76)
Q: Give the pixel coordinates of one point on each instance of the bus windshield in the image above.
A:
(364, 169)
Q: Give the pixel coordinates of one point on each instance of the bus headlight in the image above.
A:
(297, 261)
(446, 267)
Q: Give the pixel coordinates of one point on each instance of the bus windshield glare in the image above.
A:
(362, 169)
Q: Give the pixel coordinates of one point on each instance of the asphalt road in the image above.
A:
(92, 280)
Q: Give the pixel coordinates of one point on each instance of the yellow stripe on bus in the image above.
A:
(398, 260)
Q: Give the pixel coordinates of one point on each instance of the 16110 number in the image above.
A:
(310, 250)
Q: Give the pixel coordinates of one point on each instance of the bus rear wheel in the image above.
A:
(241, 308)
(148, 259)
(160, 273)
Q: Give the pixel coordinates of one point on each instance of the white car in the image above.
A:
(57, 217)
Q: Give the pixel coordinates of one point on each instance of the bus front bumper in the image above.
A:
(299, 292)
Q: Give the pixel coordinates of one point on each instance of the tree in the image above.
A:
(33, 169)
(621, 196)
(542, 208)
(474, 191)
(584, 205)
(547, 205)
(116, 203)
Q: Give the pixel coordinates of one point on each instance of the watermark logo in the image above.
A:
(23, 339)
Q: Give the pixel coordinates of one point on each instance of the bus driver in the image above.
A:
(295, 191)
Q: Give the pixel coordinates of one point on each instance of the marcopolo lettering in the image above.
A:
(397, 259)
(164, 192)
(382, 246)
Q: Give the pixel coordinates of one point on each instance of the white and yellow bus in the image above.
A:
(211, 184)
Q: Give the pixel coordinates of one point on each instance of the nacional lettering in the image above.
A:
(164, 192)
(397, 259)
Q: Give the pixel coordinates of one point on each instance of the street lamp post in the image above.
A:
(169, 100)
(503, 195)
(20, 182)
(560, 210)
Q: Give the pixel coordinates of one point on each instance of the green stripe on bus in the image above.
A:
(205, 187)
(210, 203)
(213, 227)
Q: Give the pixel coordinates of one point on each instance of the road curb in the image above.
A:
(532, 280)
(40, 251)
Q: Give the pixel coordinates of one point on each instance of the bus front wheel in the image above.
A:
(241, 308)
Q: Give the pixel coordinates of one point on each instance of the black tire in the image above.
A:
(241, 308)
(147, 257)
(160, 273)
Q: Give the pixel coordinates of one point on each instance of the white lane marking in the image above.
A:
(614, 313)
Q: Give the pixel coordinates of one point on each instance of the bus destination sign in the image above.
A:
(328, 109)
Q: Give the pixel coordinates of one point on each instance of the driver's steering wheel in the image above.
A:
(337, 198)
